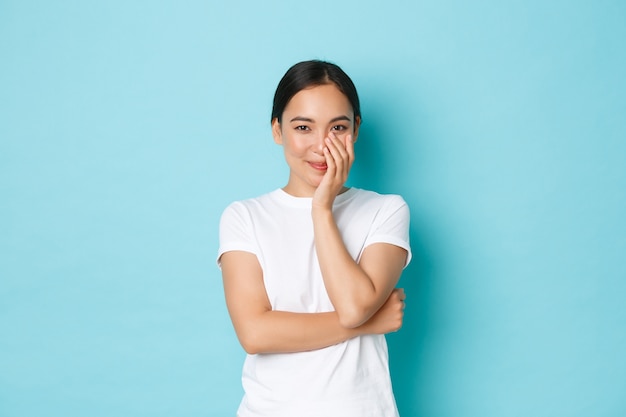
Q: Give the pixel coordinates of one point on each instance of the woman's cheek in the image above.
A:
(340, 134)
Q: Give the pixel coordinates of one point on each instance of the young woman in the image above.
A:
(310, 270)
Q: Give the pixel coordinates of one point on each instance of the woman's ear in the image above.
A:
(277, 131)
(357, 125)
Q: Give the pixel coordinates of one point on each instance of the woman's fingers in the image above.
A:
(338, 162)
(401, 293)
(340, 147)
(331, 165)
(341, 156)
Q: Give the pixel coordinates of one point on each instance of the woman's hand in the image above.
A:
(389, 317)
(339, 155)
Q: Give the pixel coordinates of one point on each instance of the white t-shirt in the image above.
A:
(349, 379)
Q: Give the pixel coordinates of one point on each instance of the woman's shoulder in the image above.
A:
(251, 203)
(362, 196)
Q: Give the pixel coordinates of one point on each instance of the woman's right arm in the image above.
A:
(262, 330)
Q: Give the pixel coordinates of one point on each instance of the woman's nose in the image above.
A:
(320, 142)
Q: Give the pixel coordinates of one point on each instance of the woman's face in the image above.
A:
(310, 117)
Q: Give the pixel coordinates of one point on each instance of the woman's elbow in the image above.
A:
(353, 317)
(250, 347)
(250, 342)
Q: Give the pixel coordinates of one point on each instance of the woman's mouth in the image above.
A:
(320, 166)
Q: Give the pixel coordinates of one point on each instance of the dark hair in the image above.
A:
(309, 74)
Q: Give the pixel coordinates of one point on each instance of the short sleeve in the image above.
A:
(392, 225)
(236, 231)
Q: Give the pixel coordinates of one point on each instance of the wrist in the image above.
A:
(321, 212)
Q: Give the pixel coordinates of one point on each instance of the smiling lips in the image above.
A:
(320, 166)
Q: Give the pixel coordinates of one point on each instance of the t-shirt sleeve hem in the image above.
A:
(393, 240)
(234, 247)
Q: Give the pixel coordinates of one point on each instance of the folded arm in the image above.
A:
(262, 330)
(357, 290)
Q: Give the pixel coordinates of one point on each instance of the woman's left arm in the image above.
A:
(357, 290)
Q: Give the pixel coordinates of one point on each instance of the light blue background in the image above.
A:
(126, 128)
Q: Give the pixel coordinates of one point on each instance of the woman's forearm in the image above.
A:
(261, 329)
(350, 289)
(286, 332)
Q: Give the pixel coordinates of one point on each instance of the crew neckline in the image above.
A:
(305, 202)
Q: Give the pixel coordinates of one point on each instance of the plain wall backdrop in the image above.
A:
(126, 127)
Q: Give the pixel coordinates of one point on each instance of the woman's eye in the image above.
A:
(302, 127)
(339, 128)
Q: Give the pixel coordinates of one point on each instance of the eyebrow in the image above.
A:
(309, 120)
